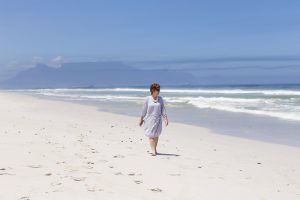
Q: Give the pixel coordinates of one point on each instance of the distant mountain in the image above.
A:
(95, 74)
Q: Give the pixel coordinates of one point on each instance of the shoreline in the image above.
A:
(61, 150)
(243, 125)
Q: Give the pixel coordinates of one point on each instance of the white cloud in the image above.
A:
(37, 59)
(57, 61)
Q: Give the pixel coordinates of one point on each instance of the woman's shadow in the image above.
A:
(167, 154)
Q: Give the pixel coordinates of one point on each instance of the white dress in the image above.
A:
(152, 113)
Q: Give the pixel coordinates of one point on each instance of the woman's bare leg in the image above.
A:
(152, 145)
(156, 141)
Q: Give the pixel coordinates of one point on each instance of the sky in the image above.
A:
(156, 33)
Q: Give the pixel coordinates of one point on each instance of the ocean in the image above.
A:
(266, 112)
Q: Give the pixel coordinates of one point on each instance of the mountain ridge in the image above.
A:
(96, 74)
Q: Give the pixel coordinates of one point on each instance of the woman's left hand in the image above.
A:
(141, 122)
(166, 121)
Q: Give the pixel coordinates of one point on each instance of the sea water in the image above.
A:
(265, 112)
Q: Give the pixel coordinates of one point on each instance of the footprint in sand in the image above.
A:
(155, 190)
(5, 173)
(118, 173)
(103, 161)
(73, 170)
(138, 182)
(93, 150)
(131, 174)
(55, 183)
(34, 166)
(57, 190)
(24, 198)
(94, 172)
(92, 188)
(48, 174)
(78, 178)
(175, 174)
(119, 156)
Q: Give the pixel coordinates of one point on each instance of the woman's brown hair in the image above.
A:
(154, 86)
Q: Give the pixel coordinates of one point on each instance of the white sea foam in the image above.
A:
(254, 106)
(284, 104)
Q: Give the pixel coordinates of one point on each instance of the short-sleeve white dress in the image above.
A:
(152, 113)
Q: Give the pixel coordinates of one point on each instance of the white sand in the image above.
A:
(60, 150)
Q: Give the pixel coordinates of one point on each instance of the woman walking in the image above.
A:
(152, 113)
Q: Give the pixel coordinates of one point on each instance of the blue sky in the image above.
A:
(52, 31)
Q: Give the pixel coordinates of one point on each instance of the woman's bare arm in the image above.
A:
(144, 111)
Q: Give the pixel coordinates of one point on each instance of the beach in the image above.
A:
(53, 149)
